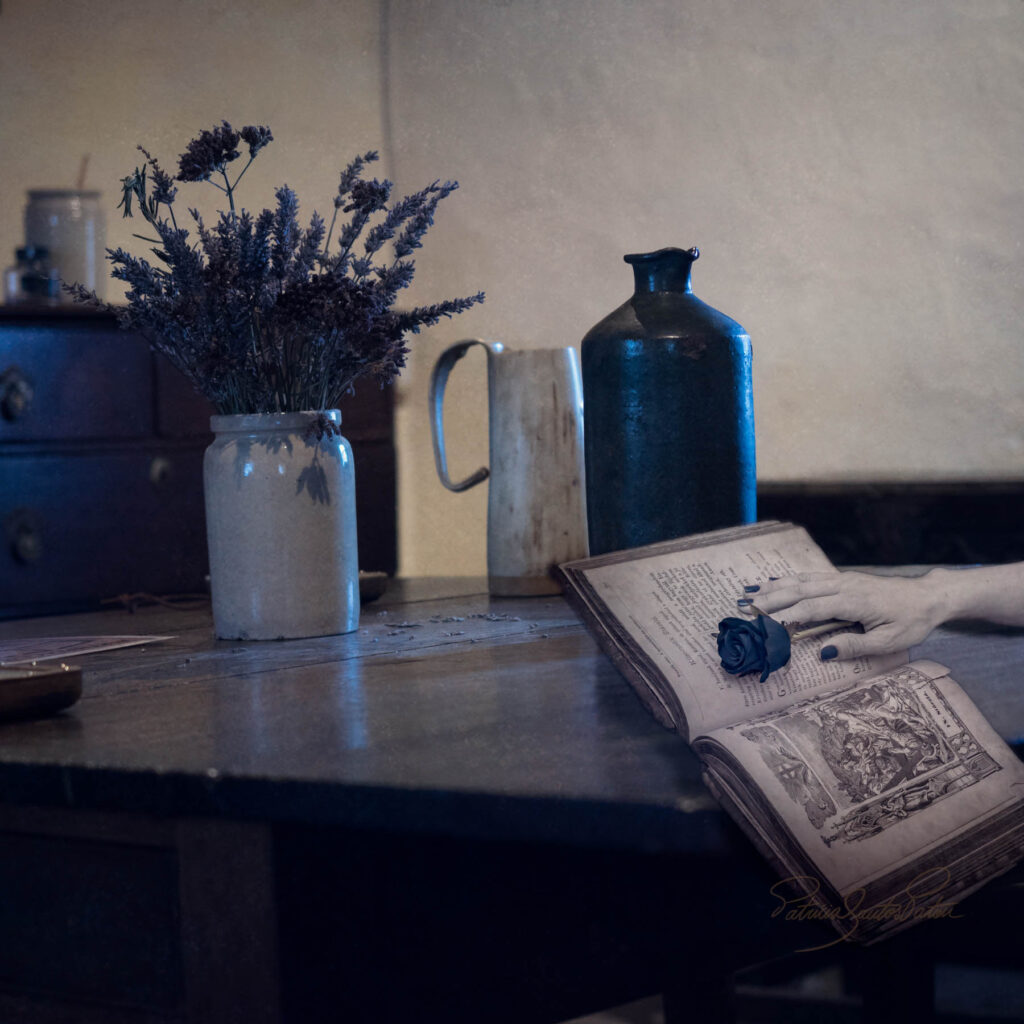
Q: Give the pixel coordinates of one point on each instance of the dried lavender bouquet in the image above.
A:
(260, 314)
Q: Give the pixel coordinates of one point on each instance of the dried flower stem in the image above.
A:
(259, 315)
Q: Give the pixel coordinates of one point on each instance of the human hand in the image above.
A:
(896, 612)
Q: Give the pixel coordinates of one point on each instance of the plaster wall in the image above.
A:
(850, 171)
(98, 77)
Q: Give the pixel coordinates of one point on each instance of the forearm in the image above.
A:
(994, 593)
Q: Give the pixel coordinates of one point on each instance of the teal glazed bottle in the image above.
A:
(668, 413)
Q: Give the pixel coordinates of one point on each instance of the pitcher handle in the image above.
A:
(438, 379)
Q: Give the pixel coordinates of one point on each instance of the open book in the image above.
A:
(875, 786)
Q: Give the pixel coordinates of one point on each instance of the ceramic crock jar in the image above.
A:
(281, 526)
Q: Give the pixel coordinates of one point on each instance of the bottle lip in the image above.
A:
(233, 423)
(649, 257)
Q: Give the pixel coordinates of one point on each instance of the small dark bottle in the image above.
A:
(668, 413)
(31, 279)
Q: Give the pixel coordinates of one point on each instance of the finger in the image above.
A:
(782, 593)
(801, 606)
(800, 580)
(856, 645)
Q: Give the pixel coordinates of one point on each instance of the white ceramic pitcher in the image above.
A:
(536, 506)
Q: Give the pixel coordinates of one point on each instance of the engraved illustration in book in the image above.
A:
(874, 752)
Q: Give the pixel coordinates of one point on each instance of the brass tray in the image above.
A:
(35, 692)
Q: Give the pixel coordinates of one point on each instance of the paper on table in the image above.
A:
(49, 648)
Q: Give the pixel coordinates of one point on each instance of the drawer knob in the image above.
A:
(161, 471)
(25, 539)
(15, 394)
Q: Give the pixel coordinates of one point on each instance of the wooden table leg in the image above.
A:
(228, 926)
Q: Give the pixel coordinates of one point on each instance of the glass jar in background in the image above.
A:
(69, 224)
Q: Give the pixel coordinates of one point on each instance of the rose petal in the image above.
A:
(752, 645)
(741, 646)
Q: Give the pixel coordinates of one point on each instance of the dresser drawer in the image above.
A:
(82, 525)
(67, 380)
(180, 410)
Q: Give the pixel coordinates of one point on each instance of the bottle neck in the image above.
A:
(667, 270)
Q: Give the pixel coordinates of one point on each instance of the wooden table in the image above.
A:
(459, 812)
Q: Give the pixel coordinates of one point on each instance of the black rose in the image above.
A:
(752, 645)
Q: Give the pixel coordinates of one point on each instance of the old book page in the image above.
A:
(879, 775)
(670, 602)
(35, 649)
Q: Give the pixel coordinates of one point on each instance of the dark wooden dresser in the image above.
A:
(101, 450)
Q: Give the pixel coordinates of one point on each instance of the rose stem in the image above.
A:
(824, 627)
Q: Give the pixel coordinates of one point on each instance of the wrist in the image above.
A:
(945, 596)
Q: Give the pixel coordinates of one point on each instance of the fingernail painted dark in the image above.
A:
(744, 601)
(752, 589)
(828, 653)
(772, 579)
